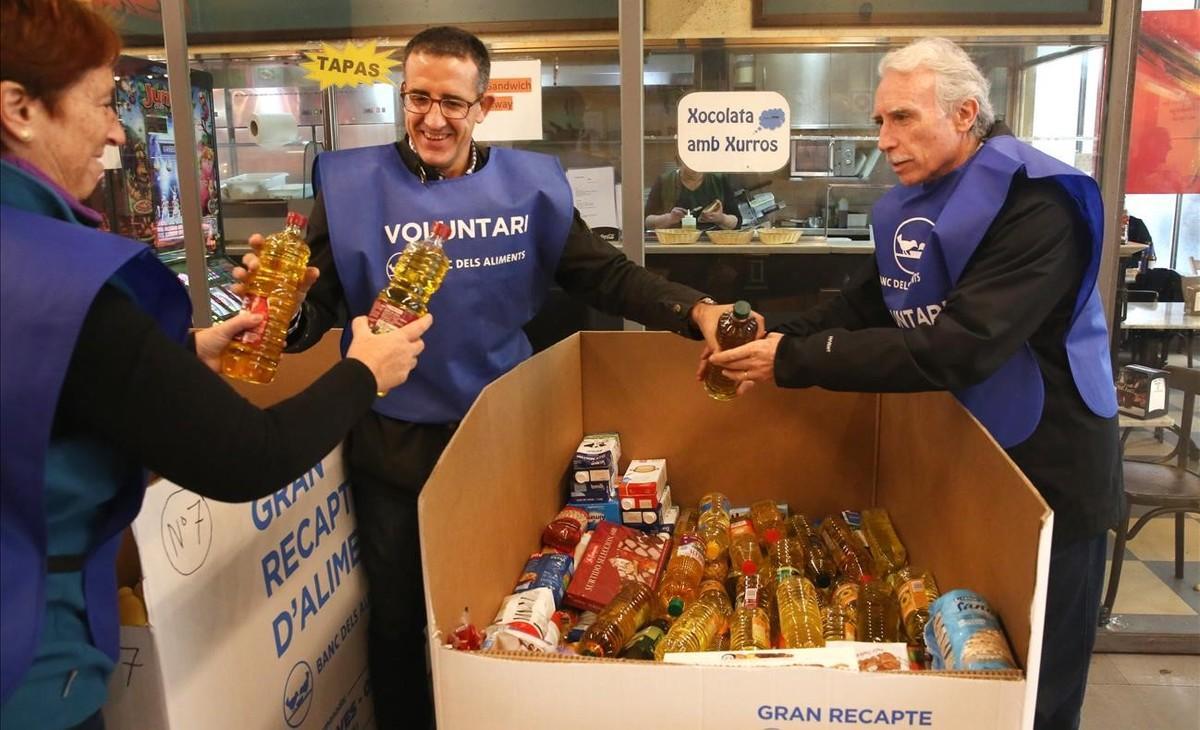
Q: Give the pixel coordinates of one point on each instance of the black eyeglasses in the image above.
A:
(419, 103)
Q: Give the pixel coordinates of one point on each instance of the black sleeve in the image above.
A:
(323, 307)
(860, 305)
(131, 386)
(595, 272)
(1030, 260)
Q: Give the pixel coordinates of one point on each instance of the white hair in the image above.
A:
(957, 78)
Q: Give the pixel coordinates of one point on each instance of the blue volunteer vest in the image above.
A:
(50, 272)
(926, 234)
(508, 221)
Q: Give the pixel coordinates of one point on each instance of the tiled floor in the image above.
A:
(1142, 692)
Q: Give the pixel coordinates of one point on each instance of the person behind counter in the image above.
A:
(1000, 307)
(707, 195)
(96, 382)
(530, 237)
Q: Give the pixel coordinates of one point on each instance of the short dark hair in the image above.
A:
(48, 45)
(446, 40)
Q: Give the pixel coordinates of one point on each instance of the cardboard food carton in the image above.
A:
(593, 476)
(647, 514)
(1142, 391)
(616, 554)
(644, 480)
(966, 513)
(257, 612)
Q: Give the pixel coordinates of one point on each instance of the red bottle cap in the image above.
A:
(771, 534)
(749, 568)
(440, 230)
(297, 219)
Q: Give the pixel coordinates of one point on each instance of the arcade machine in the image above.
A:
(140, 197)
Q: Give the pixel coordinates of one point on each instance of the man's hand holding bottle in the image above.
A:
(706, 313)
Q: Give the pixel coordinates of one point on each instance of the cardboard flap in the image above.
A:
(296, 372)
(971, 517)
(771, 443)
(497, 485)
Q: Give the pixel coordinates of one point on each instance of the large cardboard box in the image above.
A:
(257, 611)
(958, 502)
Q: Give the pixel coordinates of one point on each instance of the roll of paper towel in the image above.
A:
(273, 129)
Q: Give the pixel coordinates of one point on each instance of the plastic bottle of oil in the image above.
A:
(787, 557)
(628, 611)
(415, 277)
(743, 547)
(848, 552)
(887, 551)
(837, 624)
(750, 626)
(254, 355)
(799, 613)
(767, 519)
(878, 613)
(841, 614)
(916, 591)
(818, 564)
(700, 624)
(686, 566)
(735, 328)
(714, 525)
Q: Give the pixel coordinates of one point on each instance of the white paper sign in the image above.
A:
(517, 112)
(595, 198)
(734, 131)
(257, 611)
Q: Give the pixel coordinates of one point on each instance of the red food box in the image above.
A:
(644, 480)
(616, 554)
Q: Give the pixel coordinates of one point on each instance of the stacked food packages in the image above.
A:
(624, 573)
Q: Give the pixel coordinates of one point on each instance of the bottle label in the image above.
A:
(255, 304)
(912, 596)
(784, 572)
(846, 595)
(750, 596)
(385, 317)
(741, 527)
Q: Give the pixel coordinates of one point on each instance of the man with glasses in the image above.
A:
(514, 234)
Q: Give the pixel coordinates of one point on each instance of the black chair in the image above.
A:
(1165, 488)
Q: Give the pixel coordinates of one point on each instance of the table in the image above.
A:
(1159, 316)
(807, 245)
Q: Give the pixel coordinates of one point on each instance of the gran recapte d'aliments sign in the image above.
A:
(734, 131)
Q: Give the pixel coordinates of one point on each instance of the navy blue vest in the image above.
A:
(50, 272)
(509, 222)
(926, 234)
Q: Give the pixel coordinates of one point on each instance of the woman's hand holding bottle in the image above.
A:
(390, 356)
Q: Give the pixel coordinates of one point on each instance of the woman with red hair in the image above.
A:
(97, 381)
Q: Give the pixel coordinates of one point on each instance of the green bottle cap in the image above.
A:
(741, 309)
(675, 607)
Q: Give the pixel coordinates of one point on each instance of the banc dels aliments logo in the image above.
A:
(908, 244)
(298, 694)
